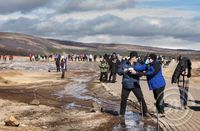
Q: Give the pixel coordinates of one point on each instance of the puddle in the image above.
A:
(132, 122)
(77, 88)
(75, 106)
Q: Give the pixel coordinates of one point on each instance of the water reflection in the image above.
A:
(132, 122)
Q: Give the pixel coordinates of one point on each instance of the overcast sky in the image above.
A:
(161, 23)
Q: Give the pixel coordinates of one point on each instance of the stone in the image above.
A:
(11, 121)
(96, 107)
(35, 102)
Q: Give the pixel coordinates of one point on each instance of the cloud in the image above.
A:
(162, 42)
(103, 20)
(10, 6)
(153, 0)
(139, 26)
(89, 5)
(181, 28)
(21, 25)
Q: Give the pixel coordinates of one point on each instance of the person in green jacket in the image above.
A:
(104, 70)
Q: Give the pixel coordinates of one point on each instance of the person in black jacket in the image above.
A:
(58, 62)
(181, 76)
(130, 82)
(114, 62)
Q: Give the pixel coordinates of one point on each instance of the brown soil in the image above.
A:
(50, 114)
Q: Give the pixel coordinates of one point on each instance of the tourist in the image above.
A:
(130, 82)
(104, 70)
(181, 76)
(156, 81)
(114, 62)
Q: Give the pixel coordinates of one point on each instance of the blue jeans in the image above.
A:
(183, 95)
(183, 84)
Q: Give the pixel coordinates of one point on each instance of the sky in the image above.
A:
(160, 23)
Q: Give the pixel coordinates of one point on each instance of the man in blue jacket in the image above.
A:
(130, 82)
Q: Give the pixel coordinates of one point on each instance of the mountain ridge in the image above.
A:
(22, 44)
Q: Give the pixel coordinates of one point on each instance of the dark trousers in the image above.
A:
(183, 95)
(113, 75)
(183, 84)
(158, 95)
(124, 96)
(103, 76)
(63, 73)
(58, 66)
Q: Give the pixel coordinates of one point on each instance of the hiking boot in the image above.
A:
(186, 107)
(146, 115)
(155, 114)
(161, 115)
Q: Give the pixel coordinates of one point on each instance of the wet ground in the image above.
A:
(80, 103)
(80, 94)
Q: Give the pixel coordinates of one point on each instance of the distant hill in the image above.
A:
(21, 44)
(25, 44)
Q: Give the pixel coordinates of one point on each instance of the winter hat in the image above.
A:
(153, 56)
(133, 54)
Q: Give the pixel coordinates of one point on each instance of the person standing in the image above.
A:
(66, 66)
(130, 82)
(90, 57)
(104, 70)
(181, 76)
(156, 82)
(58, 62)
(95, 58)
(63, 66)
(114, 62)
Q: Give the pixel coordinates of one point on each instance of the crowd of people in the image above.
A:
(39, 57)
(108, 66)
(6, 57)
(133, 67)
(82, 57)
(132, 70)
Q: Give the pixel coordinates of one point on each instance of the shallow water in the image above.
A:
(132, 122)
(78, 89)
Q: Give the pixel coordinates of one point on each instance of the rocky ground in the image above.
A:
(39, 99)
